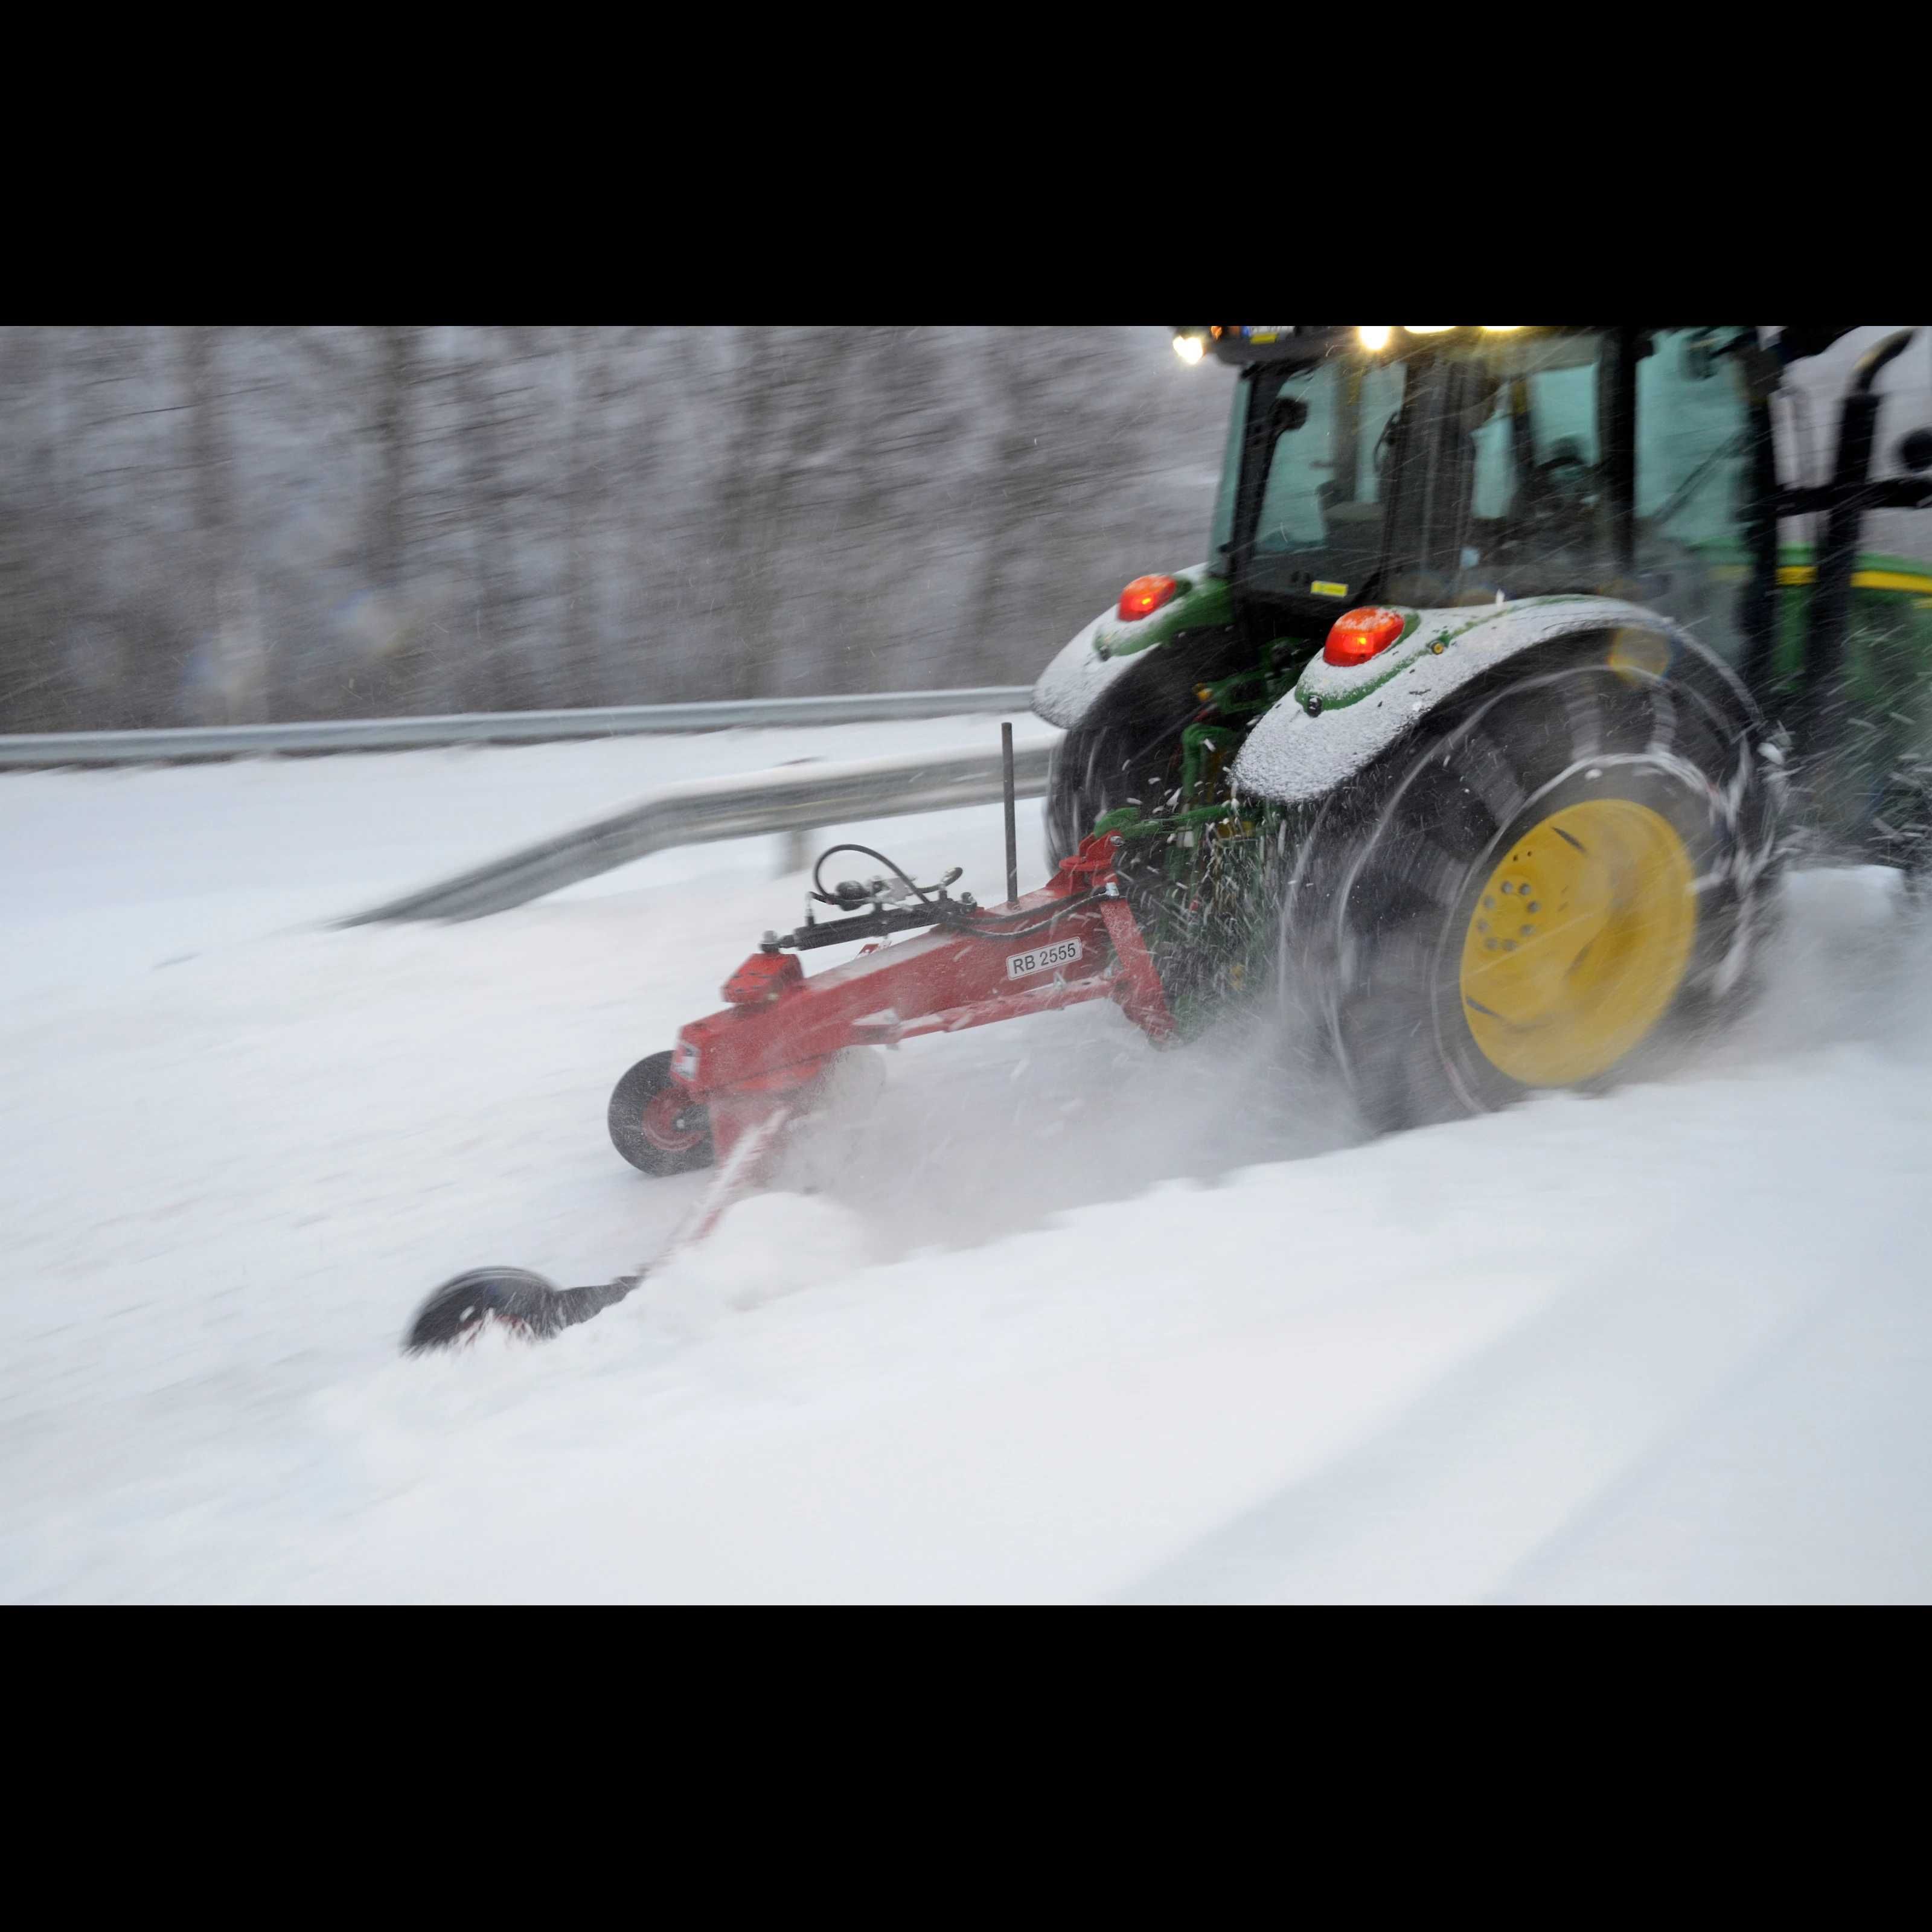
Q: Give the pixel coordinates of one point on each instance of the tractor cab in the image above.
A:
(1437, 467)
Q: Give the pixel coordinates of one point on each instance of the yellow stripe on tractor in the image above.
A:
(1861, 580)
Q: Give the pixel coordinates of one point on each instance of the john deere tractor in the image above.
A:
(1480, 737)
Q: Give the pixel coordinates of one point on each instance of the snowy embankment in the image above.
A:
(1064, 1318)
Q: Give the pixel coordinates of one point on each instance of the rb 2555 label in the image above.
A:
(1061, 952)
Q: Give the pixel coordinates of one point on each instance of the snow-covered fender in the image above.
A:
(1113, 647)
(1339, 718)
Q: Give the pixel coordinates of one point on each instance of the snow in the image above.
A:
(1082, 669)
(1072, 683)
(1065, 1319)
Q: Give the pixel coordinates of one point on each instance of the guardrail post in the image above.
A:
(794, 851)
(795, 843)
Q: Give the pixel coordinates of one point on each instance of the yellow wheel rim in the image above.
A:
(1579, 942)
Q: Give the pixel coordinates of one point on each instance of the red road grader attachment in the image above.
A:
(1074, 940)
(736, 1082)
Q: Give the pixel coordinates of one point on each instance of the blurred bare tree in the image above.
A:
(211, 524)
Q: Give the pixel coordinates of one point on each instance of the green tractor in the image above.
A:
(1483, 736)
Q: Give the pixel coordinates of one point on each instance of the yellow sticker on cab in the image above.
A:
(1329, 589)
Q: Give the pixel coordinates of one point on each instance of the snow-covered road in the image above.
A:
(1064, 1319)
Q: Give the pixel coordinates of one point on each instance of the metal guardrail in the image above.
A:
(708, 810)
(45, 748)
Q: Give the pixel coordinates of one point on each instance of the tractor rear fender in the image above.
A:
(1339, 718)
(1113, 649)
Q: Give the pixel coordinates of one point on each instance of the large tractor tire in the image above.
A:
(1558, 881)
(1098, 768)
(1128, 751)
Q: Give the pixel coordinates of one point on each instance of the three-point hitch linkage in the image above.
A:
(751, 1072)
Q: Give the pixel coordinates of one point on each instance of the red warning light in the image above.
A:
(1145, 595)
(1359, 635)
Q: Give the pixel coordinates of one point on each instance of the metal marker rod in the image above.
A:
(1013, 834)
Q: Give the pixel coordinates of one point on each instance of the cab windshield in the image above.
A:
(1478, 466)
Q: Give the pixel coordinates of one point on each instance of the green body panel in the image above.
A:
(1202, 603)
(1888, 656)
(1891, 625)
(1325, 691)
